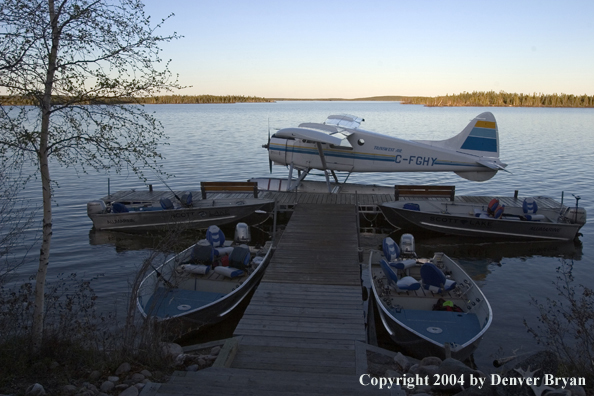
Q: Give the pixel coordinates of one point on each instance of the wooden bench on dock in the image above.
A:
(422, 191)
(229, 187)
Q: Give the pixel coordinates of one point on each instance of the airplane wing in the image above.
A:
(345, 121)
(313, 136)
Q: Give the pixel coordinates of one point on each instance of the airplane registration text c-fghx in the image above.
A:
(339, 144)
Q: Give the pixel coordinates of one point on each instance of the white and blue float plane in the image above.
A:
(339, 144)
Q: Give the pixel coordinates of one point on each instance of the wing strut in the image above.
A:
(324, 166)
(302, 176)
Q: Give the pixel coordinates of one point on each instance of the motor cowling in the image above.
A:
(407, 245)
(96, 207)
(242, 233)
(575, 216)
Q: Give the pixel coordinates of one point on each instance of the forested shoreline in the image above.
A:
(166, 99)
(491, 98)
(504, 99)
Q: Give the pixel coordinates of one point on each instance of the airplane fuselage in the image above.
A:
(371, 152)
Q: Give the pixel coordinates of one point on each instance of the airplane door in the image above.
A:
(341, 159)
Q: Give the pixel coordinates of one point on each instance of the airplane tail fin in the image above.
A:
(480, 137)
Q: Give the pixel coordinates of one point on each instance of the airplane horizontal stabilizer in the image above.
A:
(492, 164)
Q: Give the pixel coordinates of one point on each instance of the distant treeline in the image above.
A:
(501, 98)
(187, 99)
(169, 99)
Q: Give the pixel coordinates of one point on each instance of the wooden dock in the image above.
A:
(301, 331)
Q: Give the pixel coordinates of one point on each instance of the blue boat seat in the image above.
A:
(202, 253)
(186, 199)
(529, 206)
(392, 254)
(215, 236)
(391, 249)
(434, 279)
(166, 203)
(240, 257)
(117, 207)
(403, 284)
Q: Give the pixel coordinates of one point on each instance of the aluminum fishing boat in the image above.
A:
(429, 307)
(526, 220)
(203, 284)
(148, 212)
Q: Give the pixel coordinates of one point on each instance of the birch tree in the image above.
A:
(77, 60)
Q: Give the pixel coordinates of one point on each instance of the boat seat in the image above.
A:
(434, 279)
(186, 199)
(229, 272)
(529, 206)
(240, 257)
(166, 203)
(202, 253)
(391, 249)
(481, 214)
(117, 207)
(535, 217)
(392, 254)
(215, 236)
(403, 284)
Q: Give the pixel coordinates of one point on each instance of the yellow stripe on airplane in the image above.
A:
(485, 124)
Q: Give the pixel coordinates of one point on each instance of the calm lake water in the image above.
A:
(548, 151)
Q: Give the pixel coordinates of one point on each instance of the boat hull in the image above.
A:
(202, 215)
(479, 227)
(413, 345)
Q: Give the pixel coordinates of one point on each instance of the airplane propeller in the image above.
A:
(267, 147)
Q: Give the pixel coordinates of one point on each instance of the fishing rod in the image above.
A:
(160, 275)
(166, 185)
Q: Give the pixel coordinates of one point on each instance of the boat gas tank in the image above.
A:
(575, 216)
(242, 233)
(407, 244)
(95, 207)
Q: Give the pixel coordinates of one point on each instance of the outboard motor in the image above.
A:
(407, 245)
(575, 215)
(242, 233)
(95, 207)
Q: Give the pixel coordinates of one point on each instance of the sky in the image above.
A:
(354, 49)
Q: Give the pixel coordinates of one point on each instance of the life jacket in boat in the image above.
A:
(499, 211)
(492, 207)
(446, 305)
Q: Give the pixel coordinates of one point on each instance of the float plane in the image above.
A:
(339, 144)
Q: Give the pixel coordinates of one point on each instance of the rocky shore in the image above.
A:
(129, 381)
